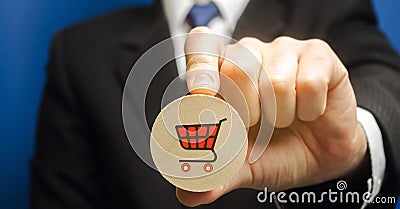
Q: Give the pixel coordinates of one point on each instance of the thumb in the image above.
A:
(202, 50)
(193, 199)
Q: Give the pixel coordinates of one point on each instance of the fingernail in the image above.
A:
(201, 80)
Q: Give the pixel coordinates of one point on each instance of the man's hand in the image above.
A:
(317, 136)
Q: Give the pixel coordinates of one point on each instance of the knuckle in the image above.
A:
(284, 40)
(249, 41)
(199, 62)
(317, 44)
(320, 54)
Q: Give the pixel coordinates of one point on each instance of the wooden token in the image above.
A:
(198, 142)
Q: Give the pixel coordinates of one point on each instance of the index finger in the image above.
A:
(202, 49)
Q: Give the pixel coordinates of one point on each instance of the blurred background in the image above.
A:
(26, 28)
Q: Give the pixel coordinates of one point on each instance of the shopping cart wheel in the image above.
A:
(208, 167)
(185, 167)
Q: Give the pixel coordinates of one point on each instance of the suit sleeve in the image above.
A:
(63, 168)
(374, 69)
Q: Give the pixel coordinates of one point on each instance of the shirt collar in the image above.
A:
(177, 10)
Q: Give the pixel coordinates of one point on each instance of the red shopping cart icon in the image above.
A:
(198, 137)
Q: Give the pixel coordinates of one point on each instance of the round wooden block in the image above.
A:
(198, 142)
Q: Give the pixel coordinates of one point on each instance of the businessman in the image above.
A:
(335, 76)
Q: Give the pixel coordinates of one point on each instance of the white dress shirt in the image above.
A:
(224, 24)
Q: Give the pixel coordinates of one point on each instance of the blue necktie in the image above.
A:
(201, 15)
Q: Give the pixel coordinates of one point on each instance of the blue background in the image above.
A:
(26, 28)
(398, 203)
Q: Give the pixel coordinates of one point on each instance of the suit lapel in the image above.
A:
(143, 36)
(151, 29)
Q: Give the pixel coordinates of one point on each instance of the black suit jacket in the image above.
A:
(82, 157)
